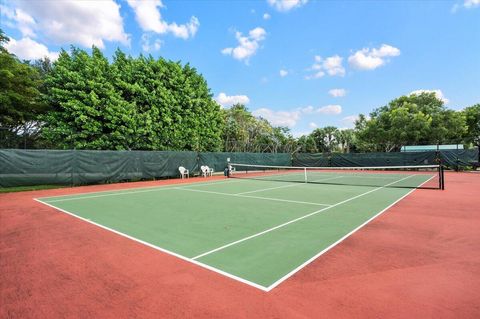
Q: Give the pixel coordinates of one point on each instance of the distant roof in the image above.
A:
(422, 148)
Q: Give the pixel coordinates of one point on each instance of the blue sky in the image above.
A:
(299, 63)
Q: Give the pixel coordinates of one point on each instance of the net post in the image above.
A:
(442, 178)
(305, 173)
(439, 177)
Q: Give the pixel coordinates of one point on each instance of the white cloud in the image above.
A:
(312, 125)
(467, 4)
(20, 20)
(438, 94)
(332, 109)
(70, 22)
(337, 92)
(370, 59)
(8, 12)
(229, 100)
(329, 110)
(471, 3)
(28, 49)
(316, 75)
(286, 5)
(150, 46)
(331, 66)
(147, 14)
(278, 118)
(266, 16)
(349, 121)
(308, 109)
(283, 73)
(247, 45)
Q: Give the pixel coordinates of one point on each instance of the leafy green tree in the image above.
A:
(243, 131)
(283, 140)
(87, 111)
(20, 99)
(132, 103)
(472, 115)
(346, 140)
(326, 138)
(409, 120)
(363, 143)
(173, 104)
(3, 39)
(44, 66)
(247, 133)
(306, 144)
(237, 119)
(273, 139)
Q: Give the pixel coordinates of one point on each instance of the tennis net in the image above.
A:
(418, 176)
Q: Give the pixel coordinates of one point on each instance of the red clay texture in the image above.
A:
(421, 259)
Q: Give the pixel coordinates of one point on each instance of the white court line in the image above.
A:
(290, 185)
(141, 190)
(255, 197)
(106, 195)
(383, 177)
(291, 273)
(294, 220)
(245, 281)
(136, 188)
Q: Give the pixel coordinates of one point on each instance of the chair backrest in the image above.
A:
(181, 169)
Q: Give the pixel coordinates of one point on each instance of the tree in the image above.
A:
(306, 144)
(3, 39)
(20, 99)
(237, 119)
(174, 108)
(132, 103)
(410, 120)
(246, 133)
(326, 138)
(43, 66)
(346, 140)
(472, 116)
(86, 113)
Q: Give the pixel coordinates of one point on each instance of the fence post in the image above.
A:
(72, 169)
(456, 156)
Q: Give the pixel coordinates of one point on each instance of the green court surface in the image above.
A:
(257, 232)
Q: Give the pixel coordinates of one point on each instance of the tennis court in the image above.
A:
(259, 228)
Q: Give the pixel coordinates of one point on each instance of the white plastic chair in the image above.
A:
(210, 171)
(184, 173)
(204, 170)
